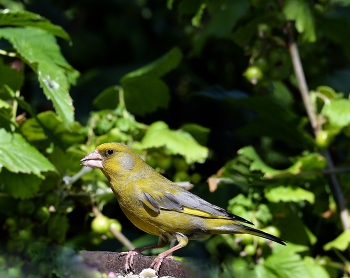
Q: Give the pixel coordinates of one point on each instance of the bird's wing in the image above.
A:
(185, 202)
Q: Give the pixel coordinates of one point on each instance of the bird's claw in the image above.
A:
(129, 260)
(158, 261)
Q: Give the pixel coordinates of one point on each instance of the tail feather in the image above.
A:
(255, 232)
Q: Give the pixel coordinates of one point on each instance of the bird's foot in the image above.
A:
(129, 260)
(158, 261)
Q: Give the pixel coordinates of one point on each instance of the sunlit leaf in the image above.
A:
(20, 157)
(177, 142)
(300, 12)
(40, 50)
(338, 112)
(341, 242)
(289, 194)
(25, 18)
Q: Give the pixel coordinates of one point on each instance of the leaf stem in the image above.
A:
(304, 91)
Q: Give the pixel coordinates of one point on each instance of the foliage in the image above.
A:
(221, 93)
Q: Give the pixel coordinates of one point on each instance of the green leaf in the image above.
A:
(196, 20)
(108, 98)
(199, 133)
(6, 115)
(20, 185)
(308, 162)
(338, 112)
(41, 52)
(25, 18)
(300, 11)
(288, 194)
(47, 127)
(11, 75)
(221, 23)
(256, 162)
(282, 93)
(328, 92)
(285, 262)
(314, 269)
(177, 142)
(341, 242)
(273, 119)
(143, 95)
(144, 91)
(20, 157)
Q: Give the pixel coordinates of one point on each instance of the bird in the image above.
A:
(161, 207)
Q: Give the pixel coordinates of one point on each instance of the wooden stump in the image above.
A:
(114, 262)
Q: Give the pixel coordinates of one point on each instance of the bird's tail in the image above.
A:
(255, 232)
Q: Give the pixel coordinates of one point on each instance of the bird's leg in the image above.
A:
(182, 239)
(129, 261)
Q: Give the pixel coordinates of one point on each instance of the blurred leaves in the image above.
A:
(144, 91)
(288, 194)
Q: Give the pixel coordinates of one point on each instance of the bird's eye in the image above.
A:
(109, 152)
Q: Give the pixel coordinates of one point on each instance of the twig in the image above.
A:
(118, 235)
(122, 239)
(304, 91)
(70, 180)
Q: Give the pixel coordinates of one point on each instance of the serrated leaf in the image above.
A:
(25, 18)
(20, 185)
(288, 266)
(47, 125)
(144, 91)
(288, 194)
(341, 242)
(300, 12)
(338, 112)
(41, 52)
(19, 157)
(177, 142)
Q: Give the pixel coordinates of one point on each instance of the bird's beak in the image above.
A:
(93, 160)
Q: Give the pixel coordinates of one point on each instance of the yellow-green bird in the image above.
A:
(159, 206)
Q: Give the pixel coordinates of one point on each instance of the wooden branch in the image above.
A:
(304, 91)
(114, 262)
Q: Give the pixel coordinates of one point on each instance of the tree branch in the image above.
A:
(304, 91)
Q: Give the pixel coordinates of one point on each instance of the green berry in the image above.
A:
(100, 224)
(250, 249)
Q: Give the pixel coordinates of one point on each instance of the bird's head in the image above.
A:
(112, 158)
